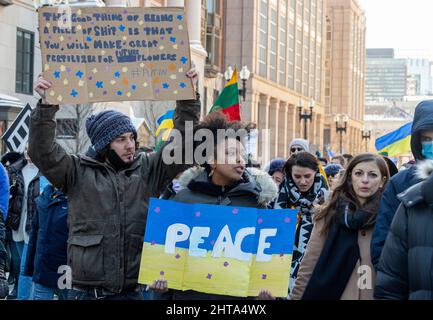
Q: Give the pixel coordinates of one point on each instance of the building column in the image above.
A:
(281, 129)
(288, 127)
(248, 106)
(361, 146)
(198, 53)
(318, 132)
(263, 125)
(255, 108)
(346, 146)
(299, 133)
(291, 125)
(114, 3)
(193, 14)
(273, 126)
(173, 3)
(355, 144)
(311, 130)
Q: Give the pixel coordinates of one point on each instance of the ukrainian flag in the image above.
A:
(396, 142)
(165, 122)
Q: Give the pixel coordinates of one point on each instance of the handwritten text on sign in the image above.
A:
(115, 54)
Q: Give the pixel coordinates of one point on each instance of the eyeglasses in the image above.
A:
(296, 149)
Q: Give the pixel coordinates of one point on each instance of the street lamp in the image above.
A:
(303, 115)
(229, 73)
(341, 129)
(244, 75)
(366, 135)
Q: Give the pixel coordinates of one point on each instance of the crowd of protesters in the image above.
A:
(363, 231)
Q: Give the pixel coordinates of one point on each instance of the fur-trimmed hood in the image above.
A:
(424, 169)
(260, 182)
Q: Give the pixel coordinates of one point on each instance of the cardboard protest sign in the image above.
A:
(115, 54)
(216, 249)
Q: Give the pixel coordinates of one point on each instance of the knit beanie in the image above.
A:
(333, 169)
(104, 127)
(276, 164)
(300, 142)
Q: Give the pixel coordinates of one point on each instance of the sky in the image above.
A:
(405, 25)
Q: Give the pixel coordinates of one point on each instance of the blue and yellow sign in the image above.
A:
(216, 249)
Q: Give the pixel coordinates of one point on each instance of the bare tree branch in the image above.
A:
(79, 112)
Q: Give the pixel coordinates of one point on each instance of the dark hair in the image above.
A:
(217, 121)
(302, 159)
(393, 170)
(323, 159)
(348, 157)
(333, 169)
(275, 165)
(341, 158)
(345, 189)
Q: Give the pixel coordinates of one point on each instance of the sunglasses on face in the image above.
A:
(296, 149)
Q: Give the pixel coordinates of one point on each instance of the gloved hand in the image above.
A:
(4, 286)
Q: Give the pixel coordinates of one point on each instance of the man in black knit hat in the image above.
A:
(108, 194)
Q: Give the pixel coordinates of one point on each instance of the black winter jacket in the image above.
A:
(256, 190)
(406, 265)
(16, 181)
(401, 182)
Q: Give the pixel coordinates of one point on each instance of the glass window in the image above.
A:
(273, 45)
(263, 40)
(299, 8)
(24, 62)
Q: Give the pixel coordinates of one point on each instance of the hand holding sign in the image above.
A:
(159, 286)
(193, 75)
(41, 85)
(217, 249)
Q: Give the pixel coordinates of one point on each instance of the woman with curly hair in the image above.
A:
(222, 179)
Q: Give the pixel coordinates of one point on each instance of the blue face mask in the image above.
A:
(427, 150)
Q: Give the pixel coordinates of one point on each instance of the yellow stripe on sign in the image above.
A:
(222, 275)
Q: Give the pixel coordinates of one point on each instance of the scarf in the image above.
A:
(116, 162)
(289, 197)
(340, 253)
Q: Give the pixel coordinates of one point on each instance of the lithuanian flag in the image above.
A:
(228, 101)
(396, 142)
